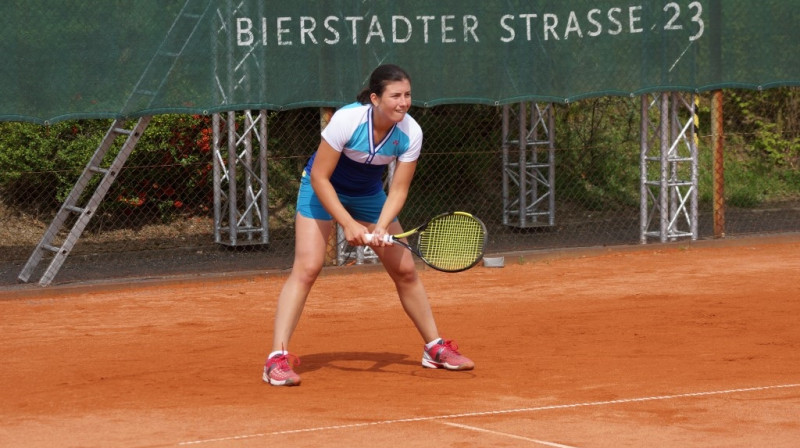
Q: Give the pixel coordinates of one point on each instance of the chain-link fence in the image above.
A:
(158, 216)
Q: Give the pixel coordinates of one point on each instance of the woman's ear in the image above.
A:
(373, 98)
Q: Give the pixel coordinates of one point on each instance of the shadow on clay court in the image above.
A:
(378, 362)
(355, 361)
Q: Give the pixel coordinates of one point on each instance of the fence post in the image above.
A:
(718, 143)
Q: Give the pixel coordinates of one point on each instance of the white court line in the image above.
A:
(505, 434)
(488, 413)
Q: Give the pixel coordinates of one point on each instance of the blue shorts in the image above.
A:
(361, 208)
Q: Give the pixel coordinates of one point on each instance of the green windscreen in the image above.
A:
(115, 58)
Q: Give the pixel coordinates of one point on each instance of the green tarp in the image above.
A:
(115, 58)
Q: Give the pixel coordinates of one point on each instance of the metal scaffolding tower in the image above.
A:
(668, 167)
(528, 165)
(240, 178)
(240, 143)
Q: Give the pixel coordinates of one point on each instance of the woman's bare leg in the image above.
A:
(399, 263)
(311, 238)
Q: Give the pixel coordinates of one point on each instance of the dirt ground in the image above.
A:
(673, 345)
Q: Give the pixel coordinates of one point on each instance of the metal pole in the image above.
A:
(233, 226)
(523, 178)
(505, 163)
(694, 180)
(674, 135)
(718, 143)
(551, 173)
(262, 157)
(643, 145)
(217, 179)
(662, 195)
(532, 141)
(249, 198)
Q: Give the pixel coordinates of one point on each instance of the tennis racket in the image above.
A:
(450, 242)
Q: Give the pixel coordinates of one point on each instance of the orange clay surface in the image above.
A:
(663, 345)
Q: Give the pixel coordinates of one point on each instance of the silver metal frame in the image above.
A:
(240, 179)
(529, 178)
(240, 164)
(669, 188)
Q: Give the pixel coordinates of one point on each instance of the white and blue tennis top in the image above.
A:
(363, 162)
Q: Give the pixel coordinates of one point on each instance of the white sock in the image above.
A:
(433, 342)
(278, 352)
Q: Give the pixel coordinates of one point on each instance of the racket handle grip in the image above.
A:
(386, 238)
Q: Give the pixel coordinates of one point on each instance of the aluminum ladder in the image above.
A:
(142, 96)
(72, 206)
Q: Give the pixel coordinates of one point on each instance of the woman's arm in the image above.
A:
(398, 193)
(324, 163)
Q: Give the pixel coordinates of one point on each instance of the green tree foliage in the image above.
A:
(597, 158)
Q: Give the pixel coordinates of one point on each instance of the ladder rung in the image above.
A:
(670, 159)
(74, 209)
(97, 169)
(123, 131)
(170, 54)
(53, 249)
(671, 183)
(146, 92)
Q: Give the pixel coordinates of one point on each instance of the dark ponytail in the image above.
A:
(382, 75)
(363, 96)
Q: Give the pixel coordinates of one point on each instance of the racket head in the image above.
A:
(452, 242)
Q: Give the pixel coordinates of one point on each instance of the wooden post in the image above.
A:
(718, 143)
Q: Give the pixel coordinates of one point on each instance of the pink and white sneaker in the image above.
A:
(278, 370)
(445, 355)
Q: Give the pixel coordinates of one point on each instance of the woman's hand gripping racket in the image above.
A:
(450, 242)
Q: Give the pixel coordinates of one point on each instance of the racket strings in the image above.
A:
(453, 242)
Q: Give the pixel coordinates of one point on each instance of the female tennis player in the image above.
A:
(343, 182)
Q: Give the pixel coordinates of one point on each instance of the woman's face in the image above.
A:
(393, 104)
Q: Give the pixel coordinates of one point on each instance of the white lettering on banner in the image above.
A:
(470, 24)
(333, 40)
(354, 22)
(286, 31)
(307, 27)
(375, 30)
(395, 36)
(598, 28)
(573, 26)
(633, 19)
(446, 28)
(511, 33)
(612, 17)
(550, 22)
(244, 35)
(282, 31)
(425, 20)
(528, 18)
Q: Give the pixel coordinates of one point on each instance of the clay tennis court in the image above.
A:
(676, 345)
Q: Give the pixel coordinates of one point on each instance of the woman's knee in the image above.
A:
(404, 273)
(306, 271)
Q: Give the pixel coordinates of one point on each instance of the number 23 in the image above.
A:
(696, 18)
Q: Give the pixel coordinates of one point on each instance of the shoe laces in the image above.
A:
(450, 345)
(284, 361)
